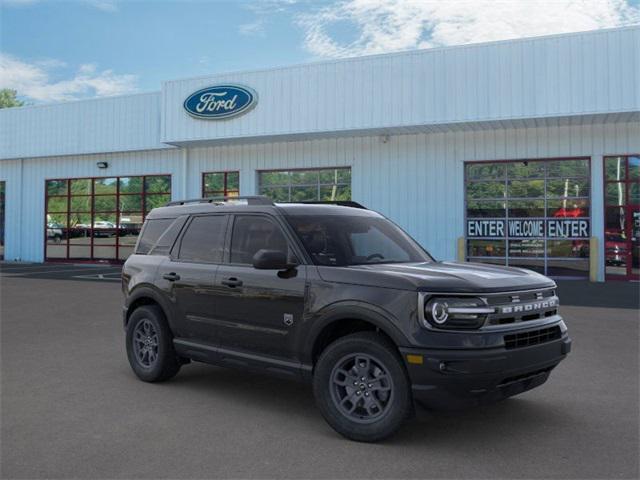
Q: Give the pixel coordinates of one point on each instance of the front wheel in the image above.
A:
(150, 345)
(361, 387)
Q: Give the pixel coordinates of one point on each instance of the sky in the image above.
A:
(54, 50)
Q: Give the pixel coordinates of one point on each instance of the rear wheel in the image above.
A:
(150, 345)
(361, 387)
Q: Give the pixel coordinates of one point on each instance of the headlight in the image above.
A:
(453, 312)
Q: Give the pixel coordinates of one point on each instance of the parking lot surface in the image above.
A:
(71, 407)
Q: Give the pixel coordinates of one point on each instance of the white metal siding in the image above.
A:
(583, 77)
(416, 180)
(558, 76)
(25, 189)
(11, 174)
(114, 124)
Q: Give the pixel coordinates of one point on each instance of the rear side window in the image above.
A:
(204, 239)
(151, 232)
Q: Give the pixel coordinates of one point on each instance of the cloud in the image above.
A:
(265, 11)
(253, 28)
(34, 80)
(266, 7)
(383, 26)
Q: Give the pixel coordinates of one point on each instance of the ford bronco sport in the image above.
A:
(339, 296)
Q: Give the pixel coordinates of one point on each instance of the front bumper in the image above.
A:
(459, 378)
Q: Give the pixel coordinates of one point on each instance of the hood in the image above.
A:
(438, 277)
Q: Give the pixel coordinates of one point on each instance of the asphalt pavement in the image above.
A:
(71, 407)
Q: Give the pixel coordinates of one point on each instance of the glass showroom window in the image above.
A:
(221, 184)
(533, 214)
(99, 218)
(622, 217)
(326, 184)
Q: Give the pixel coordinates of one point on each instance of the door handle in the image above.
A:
(172, 277)
(232, 282)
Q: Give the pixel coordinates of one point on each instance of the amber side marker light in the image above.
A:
(415, 359)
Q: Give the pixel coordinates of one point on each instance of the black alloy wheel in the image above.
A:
(150, 345)
(361, 387)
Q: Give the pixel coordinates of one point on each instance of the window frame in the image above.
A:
(506, 259)
(318, 185)
(225, 192)
(91, 212)
(627, 207)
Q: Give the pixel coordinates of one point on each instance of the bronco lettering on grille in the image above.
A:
(529, 307)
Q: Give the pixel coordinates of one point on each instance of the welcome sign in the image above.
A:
(220, 102)
(528, 228)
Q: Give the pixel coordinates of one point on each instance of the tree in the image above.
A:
(8, 98)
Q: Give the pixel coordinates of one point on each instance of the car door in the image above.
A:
(189, 276)
(258, 311)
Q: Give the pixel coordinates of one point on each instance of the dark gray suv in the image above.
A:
(338, 296)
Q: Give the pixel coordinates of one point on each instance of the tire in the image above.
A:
(159, 362)
(384, 402)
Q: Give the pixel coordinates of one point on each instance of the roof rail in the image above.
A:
(341, 203)
(251, 200)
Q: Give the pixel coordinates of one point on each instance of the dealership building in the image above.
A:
(522, 152)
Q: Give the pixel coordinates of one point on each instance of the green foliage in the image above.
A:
(526, 189)
(154, 201)
(158, 184)
(485, 190)
(214, 182)
(8, 98)
(131, 184)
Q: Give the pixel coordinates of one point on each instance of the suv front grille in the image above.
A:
(522, 306)
(533, 337)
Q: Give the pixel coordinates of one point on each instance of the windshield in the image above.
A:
(339, 240)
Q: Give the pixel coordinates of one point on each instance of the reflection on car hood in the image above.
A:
(437, 277)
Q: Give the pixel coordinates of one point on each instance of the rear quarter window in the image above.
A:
(151, 232)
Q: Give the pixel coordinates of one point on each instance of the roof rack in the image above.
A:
(251, 200)
(341, 203)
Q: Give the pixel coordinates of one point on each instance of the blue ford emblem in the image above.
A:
(220, 101)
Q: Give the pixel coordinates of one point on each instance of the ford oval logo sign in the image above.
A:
(220, 101)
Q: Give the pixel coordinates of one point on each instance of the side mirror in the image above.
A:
(270, 260)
